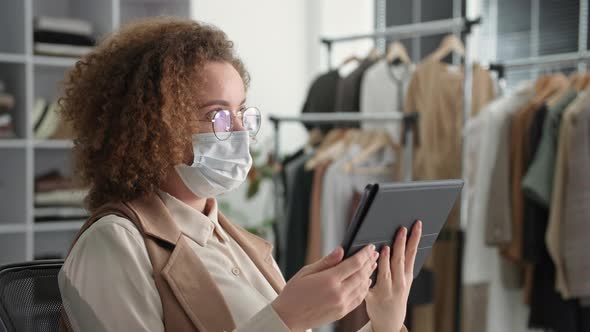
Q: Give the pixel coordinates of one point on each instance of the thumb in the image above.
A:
(325, 263)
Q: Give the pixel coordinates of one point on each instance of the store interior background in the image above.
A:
(279, 41)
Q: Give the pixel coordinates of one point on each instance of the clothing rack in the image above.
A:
(454, 25)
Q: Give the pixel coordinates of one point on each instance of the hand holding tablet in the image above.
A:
(388, 207)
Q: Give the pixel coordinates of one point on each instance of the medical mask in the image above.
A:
(218, 166)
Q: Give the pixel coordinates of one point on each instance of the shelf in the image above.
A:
(54, 61)
(13, 58)
(54, 144)
(12, 228)
(58, 226)
(64, 211)
(12, 143)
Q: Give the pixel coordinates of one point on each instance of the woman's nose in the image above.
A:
(238, 123)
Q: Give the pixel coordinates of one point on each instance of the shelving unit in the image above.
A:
(29, 76)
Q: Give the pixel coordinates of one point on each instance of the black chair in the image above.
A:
(29, 296)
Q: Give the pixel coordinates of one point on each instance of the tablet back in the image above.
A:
(400, 205)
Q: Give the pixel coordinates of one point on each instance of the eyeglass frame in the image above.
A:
(212, 114)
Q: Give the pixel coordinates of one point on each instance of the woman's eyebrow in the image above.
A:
(220, 102)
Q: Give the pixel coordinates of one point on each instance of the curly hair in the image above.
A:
(132, 102)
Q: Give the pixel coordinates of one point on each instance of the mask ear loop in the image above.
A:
(253, 138)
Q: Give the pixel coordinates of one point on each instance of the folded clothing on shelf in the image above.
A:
(53, 189)
(61, 50)
(60, 213)
(48, 122)
(6, 120)
(6, 100)
(62, 36)
(63, 25)
(71, 197)
(53, 180)
(6, 125)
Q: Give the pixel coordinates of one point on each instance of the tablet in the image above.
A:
(386, 207)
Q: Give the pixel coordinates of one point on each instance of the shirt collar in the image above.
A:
(196, 225)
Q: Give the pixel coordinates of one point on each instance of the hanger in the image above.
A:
(333, 151)
(315, 137)
(330, 138)
(556, 84)
(397, 51)
(577, 80)
(350, 59)
(349, 65)
(374, 54)
(449, 44)
(378, 140)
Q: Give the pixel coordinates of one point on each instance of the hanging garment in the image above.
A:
(287, 175)
(547, 309)
(497, 213)
(337, 191)
(348, 91)
(338, 188)
(554, 235)
(532, 210)
(298, 220)
(538, 181)
(436, 93)
(314, 238)
(518, 150)
(382, 90)
(487, 304)
(577, 208)
(321, 97)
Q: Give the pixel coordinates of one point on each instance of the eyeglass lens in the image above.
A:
(223, 122)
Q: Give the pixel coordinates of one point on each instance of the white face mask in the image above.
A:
(218, 166)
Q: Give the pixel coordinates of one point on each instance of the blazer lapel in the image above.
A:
(196, 291)
(259, 250)
(188, 278)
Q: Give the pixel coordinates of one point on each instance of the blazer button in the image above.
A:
(235, 271)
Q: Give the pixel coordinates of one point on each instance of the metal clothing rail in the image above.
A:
(423, 29)
(542, 61)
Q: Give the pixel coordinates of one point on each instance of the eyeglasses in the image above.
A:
(222, 122)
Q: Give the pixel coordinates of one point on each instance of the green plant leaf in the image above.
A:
(253, 188)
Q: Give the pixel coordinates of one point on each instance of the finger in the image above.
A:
(384, 272)
(398, 255)
(360, 295)
(412, 247)
(355, 298)
(323, 264)
(352, 264)
(359, 279)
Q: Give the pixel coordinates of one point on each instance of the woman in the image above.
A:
(162, 128)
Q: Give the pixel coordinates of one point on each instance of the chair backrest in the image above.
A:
(29, 296)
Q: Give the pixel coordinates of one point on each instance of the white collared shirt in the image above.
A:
(125, 297)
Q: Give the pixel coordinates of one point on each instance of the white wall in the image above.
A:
(279, 43)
